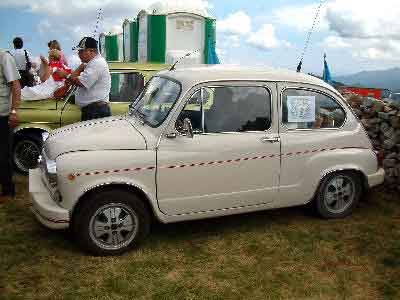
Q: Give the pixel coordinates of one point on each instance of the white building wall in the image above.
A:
(142, 49)
(185, 33)
(127, 41)
(120, 47)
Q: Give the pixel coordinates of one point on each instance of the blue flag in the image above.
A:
(326, 76)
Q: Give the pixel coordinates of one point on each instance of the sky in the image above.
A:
(356, 35)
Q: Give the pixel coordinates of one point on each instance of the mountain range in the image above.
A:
(387, 79)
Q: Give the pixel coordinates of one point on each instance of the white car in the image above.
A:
(204, 142)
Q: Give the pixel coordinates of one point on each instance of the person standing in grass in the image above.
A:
(9, 85)
(23, 62)
(93, 80)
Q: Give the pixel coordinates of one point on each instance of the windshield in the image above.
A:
(156, 101)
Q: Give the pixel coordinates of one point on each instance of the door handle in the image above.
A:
(275, 139)
(171, 135)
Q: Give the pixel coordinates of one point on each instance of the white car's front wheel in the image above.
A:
(110, 222)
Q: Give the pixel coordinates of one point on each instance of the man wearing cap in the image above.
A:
(9, 85)
(93, 80)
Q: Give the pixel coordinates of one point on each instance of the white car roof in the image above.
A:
(197, 74)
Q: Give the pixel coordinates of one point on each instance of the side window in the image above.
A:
(192, 111)
(304, 109)
(125, 87)
(228, 109)
(238, 109)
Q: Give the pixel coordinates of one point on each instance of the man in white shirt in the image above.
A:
(93, 80)
(23, 62)
(10, 96)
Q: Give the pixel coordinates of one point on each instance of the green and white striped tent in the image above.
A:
(111, 46)
(164, 32)
(167, 31)
(130, 40)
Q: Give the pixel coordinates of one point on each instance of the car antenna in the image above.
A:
(308, 39)
(179, 60)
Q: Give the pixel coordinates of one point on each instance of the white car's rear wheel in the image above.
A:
(338, 195)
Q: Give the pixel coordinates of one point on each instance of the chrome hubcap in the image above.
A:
(113, 226)
(339, 194)
(26, 154)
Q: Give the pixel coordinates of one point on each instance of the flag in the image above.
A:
(326, 76)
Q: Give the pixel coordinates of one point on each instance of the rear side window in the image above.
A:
(125, 87)
(305, 109)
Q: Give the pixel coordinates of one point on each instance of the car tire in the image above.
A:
(111, 222)
(338, 195)
(26, 152)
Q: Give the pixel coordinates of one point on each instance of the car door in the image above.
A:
(312, 134)
(232, 161)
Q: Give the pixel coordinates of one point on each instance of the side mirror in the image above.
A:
(187, 128)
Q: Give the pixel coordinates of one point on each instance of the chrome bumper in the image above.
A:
(48, 212)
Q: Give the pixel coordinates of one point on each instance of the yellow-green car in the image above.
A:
(40, 117)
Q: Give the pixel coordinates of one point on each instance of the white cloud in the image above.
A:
(236, 30)
(77, 18)
(238, 23)
(44, 26)
(356, 19)
(372, 31)
(234, 40)
(265, 38)
(301, 17)
(376, 49)
(369, 30)
(348, 18)
(335, 42)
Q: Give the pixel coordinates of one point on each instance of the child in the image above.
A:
(50, 81)
(54, 44)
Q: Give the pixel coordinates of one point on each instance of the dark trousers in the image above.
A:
(5, 158)
(95, 110)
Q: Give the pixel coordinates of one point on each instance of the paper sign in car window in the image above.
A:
(301, 108)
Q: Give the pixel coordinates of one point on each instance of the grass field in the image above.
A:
(280, 254)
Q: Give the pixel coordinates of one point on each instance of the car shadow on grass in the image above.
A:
(267, 220)
(233, 224)
(161, 235)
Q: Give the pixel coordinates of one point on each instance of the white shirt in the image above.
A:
(96, 80)
(8, 73)
(20, 60)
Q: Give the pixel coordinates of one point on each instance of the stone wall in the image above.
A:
(381, 120)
